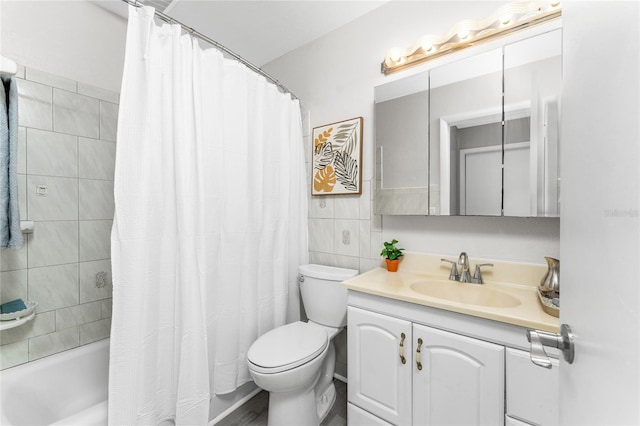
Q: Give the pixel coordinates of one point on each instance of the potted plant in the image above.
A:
(392, 255)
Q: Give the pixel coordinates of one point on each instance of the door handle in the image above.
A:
(402, 358)
(419, 355)
(563, 341)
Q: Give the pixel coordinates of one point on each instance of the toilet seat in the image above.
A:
(287, 347)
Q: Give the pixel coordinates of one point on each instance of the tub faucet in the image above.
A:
(463, 261)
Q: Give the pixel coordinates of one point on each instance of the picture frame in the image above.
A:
(337, 158)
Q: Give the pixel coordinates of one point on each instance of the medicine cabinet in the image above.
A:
(477, 136)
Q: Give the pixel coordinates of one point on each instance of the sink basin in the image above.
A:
(470, 294)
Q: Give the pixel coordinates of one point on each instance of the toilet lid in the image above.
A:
(287, 347)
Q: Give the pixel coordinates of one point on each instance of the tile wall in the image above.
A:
(343, 232)
(66, 164)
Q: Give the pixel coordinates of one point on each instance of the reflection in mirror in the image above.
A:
(466, 136)
(533, 76)
(402, 147)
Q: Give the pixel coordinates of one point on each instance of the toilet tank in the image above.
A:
(324, 299)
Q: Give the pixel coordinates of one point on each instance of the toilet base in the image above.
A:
(297, 408)
(325, 401)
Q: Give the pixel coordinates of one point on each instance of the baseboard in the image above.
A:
(340, 377)
(236, 405)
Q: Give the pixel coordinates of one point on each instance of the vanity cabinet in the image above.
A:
(407, 373)
(410, 364)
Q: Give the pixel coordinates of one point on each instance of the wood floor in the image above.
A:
(254, 412)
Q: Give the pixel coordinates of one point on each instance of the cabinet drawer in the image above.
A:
(358, 417)
(532, 391)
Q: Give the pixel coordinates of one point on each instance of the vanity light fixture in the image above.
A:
(507, 19)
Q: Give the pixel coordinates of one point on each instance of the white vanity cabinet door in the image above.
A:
(532, 391)
(461, 381)
(378, 380)
(358, 417)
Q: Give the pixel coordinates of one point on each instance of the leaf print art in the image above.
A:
(323, 156)
(347, 171)
(324, 180)
(337, 154)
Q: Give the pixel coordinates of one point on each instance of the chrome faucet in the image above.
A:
(463, 261)
(464, 276)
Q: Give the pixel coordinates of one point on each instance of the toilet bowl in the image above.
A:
(295, 363)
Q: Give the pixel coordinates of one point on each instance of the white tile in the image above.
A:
(321, 235)
(108, 121)
(347, 237)
(347, 207)
(54, 287)
(376, 244)
(95, 239)
(22, 150)
(90, 281)
(321, 207)
(53, 343)
(368, 264)
(22, 198)
(94, 331)
(78, 314)
(76, 114)
(96, 199)
(98, 92)
(14, 259)
(35, 105)
(13, 285)
(21, 71)
(348, 262)
(53, 243)
(318, 258)
(14, 354)
(365, 201)
(41, 324)
(365, 239)
(50, 79)
(60, 201)
(97, 159)
(107, 307)
(52, 154)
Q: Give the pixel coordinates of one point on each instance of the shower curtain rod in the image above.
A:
(214, 43)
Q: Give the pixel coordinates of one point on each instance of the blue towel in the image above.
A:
(10, 234)
(13, 306)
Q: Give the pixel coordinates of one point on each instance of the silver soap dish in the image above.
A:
(548, 304)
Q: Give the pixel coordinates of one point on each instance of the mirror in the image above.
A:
(448, 122)
(402, 146)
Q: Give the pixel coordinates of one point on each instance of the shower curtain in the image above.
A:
(209, 228)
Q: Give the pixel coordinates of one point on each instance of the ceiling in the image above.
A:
(259, 31)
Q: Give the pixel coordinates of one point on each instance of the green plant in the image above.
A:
(390, 251)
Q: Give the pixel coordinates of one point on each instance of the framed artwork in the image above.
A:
(337, 158)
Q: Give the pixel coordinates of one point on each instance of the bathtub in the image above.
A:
(68, 388)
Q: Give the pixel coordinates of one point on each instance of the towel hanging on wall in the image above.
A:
(10, 234)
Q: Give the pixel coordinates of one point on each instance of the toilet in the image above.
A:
(295, 362)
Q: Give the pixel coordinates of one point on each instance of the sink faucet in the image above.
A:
(463, 261)
(464, 276)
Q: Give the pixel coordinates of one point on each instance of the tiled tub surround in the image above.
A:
(66, 164)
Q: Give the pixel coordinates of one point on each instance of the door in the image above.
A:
(461, 381)
(379, 382)
(599, 225)
(481, 181)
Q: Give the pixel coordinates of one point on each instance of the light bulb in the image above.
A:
(463, 34)
(505, 20)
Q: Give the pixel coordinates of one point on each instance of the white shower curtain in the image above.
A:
(210, 224)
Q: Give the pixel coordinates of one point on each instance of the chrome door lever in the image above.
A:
(539, 339)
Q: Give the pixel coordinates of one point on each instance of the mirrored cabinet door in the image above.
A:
(466, 136)
(402, 147)
(532, 85)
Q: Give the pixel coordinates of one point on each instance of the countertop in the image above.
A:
(397, 285)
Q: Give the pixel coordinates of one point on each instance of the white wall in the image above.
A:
(74, 39)
(334, 77)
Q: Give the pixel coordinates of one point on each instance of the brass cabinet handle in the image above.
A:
(402, 358)
(418, 355)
